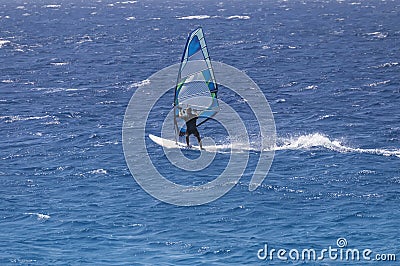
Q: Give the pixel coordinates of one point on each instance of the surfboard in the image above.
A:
(171, 144)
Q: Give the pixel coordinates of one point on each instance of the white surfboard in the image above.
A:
(171, 144)
(220, 148)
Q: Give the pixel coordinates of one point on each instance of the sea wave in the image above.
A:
(4, 43)
(378, 34)
(195, 17)
(40, 216)
(98, 172)
(51, 6)
(59, 63)
(325, 117)
(238, 17)
(388, 64)
(55, 89)
(374, 84)
(139, 84)
(14, 118)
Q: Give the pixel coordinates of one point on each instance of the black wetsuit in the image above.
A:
(191, 127)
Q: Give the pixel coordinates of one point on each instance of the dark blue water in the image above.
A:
(331, 73)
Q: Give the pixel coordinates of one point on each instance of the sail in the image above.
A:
(196, 86)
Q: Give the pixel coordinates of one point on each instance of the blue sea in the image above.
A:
(329, 69)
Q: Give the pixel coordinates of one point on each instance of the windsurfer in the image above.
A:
(191, 127)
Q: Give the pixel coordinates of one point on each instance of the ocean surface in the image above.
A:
(329, 69)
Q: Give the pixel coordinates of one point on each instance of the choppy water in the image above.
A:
(330, 70)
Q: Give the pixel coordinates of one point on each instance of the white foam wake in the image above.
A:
(318, 140)
(303, 142)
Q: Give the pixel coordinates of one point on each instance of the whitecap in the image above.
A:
(195, 17)
(282, 100)
(203, 249)
(140, 84)
(98, 172)
(59, 63)
(366, 172)
(130, 18)
(40, 216)
(48, 90)
(374, 84)
(136, 225)
(378, 34)
(52, 6)
(13, 118)
(325, 117)
(238, 17)
(4, 43)
(85, 38)
(290, 84)
(107, 102)
(388, 64)
(311, 87)
(372, 195)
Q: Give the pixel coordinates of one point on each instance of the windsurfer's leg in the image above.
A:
(197, 135)
(187, 139)
(200, 144)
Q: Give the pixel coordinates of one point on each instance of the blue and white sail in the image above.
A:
(196, 86)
